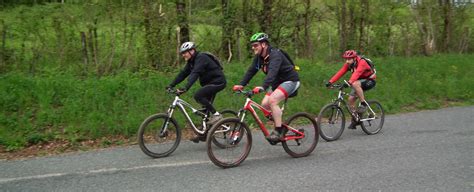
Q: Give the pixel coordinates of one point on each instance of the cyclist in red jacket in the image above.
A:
(362, 79)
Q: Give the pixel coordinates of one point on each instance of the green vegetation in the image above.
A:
(60, 106)
(74, 70)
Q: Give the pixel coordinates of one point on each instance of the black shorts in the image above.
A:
(366, 84)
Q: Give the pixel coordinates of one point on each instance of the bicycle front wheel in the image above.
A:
(225, 113)
(372, 120)
(234, 148)
(331, 122)
(159, 135)
(305, 123)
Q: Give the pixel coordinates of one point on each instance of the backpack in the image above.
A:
(215, 59)
(370, 62)
(296, 67)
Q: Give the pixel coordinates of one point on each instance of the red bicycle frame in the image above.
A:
(248, 106)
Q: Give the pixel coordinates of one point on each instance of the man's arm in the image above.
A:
(181, 76)
(340, 73)
(251, 71)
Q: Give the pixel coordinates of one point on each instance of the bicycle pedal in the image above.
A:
(273, 142)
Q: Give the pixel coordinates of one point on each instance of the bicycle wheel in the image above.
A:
(372, 122)
(225, 114)
(235, 146)
(228, 113)
(153, 141)
(302, 122)
(331, 122)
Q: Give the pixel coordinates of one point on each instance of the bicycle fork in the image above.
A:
(164, 127)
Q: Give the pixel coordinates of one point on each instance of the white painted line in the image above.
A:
(99, 171)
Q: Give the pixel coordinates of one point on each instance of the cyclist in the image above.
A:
(362, 79)
(210, 74)
(281, 76)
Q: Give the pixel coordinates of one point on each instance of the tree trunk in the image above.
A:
(464, 42)
(2, 50)
(148, 31)
(364, 10)
(342, 26)
(307, 34)
(447, 11)
(84, 50)
(227, 29)
(182, 21)
(425, 28)
(266, 18)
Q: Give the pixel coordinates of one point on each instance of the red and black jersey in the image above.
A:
(360, 70)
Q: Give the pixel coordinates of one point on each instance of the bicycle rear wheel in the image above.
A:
(372, 122)
(331, 122)
(302, 122)
(232, 149)
(153, 140)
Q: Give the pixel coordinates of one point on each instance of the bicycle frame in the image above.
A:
(181, 104)
(340, 99)
(248, 106)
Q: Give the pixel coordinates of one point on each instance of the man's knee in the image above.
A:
(356, 84)
(196, 97)
(352, 98)
(273, 101)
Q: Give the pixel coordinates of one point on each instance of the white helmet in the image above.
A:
(187, 46)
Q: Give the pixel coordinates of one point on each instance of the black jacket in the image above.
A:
(276, 66)
(203, 67)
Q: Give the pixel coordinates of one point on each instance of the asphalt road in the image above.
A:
(422, 151)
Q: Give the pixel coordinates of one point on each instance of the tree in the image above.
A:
(182, 21)
(227, 29)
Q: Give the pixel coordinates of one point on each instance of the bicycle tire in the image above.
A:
(301, 147)
(331, 122)
(371, 127)
(221, 156)
(225, 113)
(150, 141)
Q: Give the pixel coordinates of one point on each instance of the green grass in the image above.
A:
(57, 105)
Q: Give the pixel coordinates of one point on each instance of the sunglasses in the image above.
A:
(255, 45)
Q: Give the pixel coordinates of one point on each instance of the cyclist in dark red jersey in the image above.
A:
(362, 79)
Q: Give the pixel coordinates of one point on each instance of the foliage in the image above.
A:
(107, 37)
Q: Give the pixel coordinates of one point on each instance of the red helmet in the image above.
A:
(349, 54)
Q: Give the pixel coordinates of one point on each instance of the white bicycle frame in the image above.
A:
(181, 104)
(340, 97)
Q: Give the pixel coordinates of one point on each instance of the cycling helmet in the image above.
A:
(187, 46)
(349, 54)
(258, 37)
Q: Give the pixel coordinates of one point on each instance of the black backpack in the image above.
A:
(370, 62)
(296, 67)
(215, 59)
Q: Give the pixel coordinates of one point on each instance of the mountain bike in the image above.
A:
(160, 134)
(331, 118)
(300, 135)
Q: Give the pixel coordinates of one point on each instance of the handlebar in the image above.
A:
(248, 94)
(174, 91)
(340, 86)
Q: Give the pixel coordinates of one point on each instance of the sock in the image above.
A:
(278, 129)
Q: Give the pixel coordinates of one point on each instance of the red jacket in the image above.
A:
(362, 71)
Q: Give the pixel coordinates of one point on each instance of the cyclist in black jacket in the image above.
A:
(281, 80)
(210, 74)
